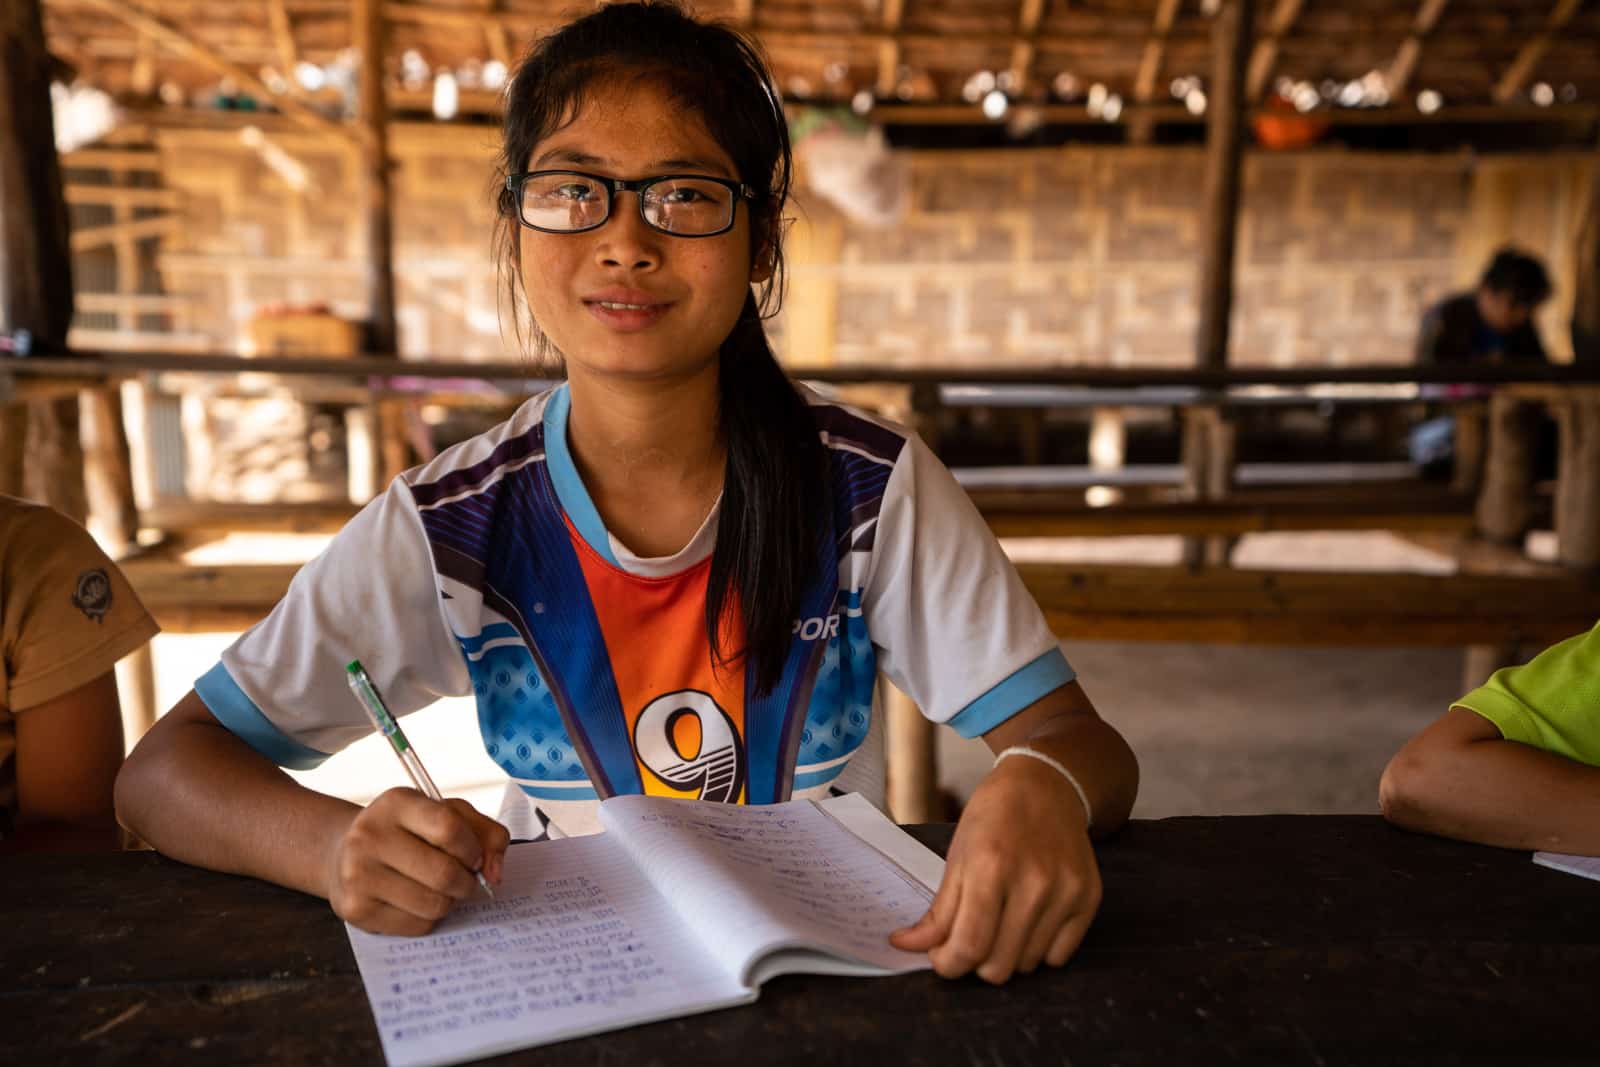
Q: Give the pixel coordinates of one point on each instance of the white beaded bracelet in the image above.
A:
(1024, 750)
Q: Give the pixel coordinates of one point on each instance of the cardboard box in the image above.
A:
(303, 334)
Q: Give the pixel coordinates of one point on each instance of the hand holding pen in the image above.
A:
(404, 860)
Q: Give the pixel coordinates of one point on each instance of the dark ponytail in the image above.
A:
(774, 498)
(775, 495)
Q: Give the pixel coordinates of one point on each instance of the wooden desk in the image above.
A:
(1268, 940)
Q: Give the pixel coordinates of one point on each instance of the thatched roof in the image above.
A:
(911, 53)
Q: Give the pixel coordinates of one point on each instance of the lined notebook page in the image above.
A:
(577, 941)
(1582, 866)
(787, 873)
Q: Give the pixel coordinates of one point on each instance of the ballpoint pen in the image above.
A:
(367, 693)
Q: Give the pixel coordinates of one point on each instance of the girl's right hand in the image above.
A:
(405, 860)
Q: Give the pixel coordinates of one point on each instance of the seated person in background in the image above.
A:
(1515, 762)
(66, 616)
(1493, 323)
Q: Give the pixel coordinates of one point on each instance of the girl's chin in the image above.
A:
(640, 361)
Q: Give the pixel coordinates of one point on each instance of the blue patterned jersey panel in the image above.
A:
(521, 726)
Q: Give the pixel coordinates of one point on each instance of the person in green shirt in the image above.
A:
(1515, 762)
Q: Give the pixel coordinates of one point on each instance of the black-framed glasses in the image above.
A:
(571, 201)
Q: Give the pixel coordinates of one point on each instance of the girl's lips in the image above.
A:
(627, 319)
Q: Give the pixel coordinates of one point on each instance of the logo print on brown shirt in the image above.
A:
(93, 595)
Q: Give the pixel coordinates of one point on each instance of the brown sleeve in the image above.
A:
(68, 612)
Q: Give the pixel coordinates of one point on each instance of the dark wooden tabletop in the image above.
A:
(1266, 940)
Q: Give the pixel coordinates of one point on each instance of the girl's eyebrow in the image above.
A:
(584, 159)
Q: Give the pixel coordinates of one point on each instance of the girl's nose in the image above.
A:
(626, 240)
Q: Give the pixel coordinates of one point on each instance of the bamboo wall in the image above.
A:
(1077, 255)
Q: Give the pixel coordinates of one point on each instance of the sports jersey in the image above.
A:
(489, 571)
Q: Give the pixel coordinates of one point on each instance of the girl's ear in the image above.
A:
(762, 266)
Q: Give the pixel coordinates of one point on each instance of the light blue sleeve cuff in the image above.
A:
(239, 714)
(1022, 687)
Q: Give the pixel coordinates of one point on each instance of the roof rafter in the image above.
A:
(283, 38)
(495, 37)
(1521, 69)
(163, 32)
(1405, 60)
(1023, 51)
(1144, 83)
(889, 50)
(1264, 58)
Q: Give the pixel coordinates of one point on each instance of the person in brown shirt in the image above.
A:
(66, 616)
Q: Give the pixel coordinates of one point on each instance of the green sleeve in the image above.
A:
(1552, 703)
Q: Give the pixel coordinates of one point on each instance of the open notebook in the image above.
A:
(1583, 866)
(679, 907)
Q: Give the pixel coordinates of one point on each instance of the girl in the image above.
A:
(676, 574)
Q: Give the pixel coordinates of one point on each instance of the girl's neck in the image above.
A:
(650, 454)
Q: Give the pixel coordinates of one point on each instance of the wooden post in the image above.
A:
(913, 762)
(53, 474)
(35, 254)
(108, 474)
(1471, 443)
(1481, 661)
(1230, 48)
(370, 37)
(912, 747)
(13, 442)
(109, 479)
(1578, 484)
(1586, 280)
(1505, 502)
(1209, 438)
(368, 32)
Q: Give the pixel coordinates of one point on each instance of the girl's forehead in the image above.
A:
(635, 125)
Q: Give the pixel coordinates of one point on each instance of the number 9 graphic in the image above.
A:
(716, 769)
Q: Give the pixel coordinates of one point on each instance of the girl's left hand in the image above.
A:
(1021, 884)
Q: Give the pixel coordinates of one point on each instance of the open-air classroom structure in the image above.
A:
(1136, 267)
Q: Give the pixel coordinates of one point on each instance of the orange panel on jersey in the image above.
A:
(686, 719)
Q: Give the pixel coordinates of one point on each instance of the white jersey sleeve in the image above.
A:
(954, 627)
(371, 595)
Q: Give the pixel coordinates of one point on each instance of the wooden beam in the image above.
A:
(1230, 42)
(1023, 51)
(283, 39)
(1223, 606)
(516, 22)
(368, 35)
(889, 49)
(1521, 69)
(129, 12)
(1264, 58)
(113, 194)
(115, 159)
(1144, 82)
(1120, 603)
(186, 516)
(131, 230)
(1404, 64)
(1218, 518)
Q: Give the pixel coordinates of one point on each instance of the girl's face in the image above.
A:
(684, 294)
